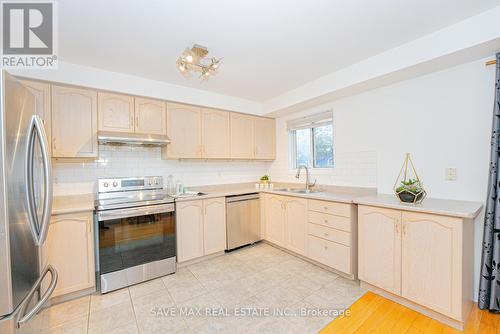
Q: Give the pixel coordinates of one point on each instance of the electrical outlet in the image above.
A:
(450, 174)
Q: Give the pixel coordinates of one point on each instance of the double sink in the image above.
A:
(298, 190)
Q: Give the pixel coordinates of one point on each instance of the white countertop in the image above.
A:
(445, 207)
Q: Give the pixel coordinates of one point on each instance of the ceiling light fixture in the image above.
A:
(195, 60)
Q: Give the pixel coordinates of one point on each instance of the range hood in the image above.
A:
(121, 138)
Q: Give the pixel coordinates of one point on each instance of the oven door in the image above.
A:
(135, 236)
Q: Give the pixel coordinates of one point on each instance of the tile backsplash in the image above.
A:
(117, 161)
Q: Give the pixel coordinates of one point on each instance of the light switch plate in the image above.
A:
(450, 174)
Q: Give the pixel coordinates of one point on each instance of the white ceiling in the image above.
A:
(269, 47)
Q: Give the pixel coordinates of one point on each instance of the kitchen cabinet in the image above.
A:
(275, 219)
(419, 258)
(116, 112)
(189, 222)
(264, 138)
(201, 228)
(70, 250)
(431, 262)
(184, 131)
(150, 116)
(379, 240)
(296, 224)
(41, 91)
(215, 130)
(242, 136)
(214, 225)
(252, 137)
(74, 122)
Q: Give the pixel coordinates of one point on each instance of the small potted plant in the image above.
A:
(264, 179)
(410, 191)
(408, 187)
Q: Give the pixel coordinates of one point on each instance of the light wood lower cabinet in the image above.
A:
(275, 219)
(423, 258)
(296, 224)
(70, 250)
(379, 246)
(201, 228)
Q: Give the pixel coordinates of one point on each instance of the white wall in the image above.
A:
(443, 119)
(116, 161)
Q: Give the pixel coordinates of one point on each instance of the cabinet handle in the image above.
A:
(132, 120)
(137, 121)
(325, 234)
(326, 247)
(404, 229)
(326, 221)
(396, 225)
(326, 208)
(54, 143)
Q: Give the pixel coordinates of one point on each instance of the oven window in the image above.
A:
(128, 242)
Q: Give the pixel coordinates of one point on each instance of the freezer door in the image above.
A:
(23, 224)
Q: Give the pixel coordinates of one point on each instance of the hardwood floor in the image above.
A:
(375, 314)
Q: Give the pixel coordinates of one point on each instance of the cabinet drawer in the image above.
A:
(333, 208)
(330, 253)
(330, 234)
(337, 222)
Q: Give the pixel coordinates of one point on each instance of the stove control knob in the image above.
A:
(115, 184)
(149, 182)
(157, 182)
(105, 184)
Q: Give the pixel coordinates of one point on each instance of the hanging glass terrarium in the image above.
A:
(408, 187)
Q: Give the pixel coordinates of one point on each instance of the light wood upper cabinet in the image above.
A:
(215, 129)
(116, 112)
(184, 131)
(190, 235)
(379, 247)
(41, 91)
(242, 136)
(214, 225)
(275, 219)
(70, 250)
(296, 224)
(74, 122)
(265, 138)
(431, 262)
(150, 116)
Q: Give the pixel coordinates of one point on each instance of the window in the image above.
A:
(311, 141)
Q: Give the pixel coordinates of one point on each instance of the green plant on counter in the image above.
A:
(411, 185)
(264, 178)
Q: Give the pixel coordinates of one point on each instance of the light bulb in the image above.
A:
(207, 73)
(189, 58)
(182, 68)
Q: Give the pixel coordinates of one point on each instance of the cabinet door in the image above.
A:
(242, 136)
(189, 230)
(150, 116)
(379, 247)
(184, 131)
(431, 262)
(296, 225)
(215, 129)
(74, 122)
(275, 220)
(41, 91)
(70, 250)
(214, 225)
(116, 112)
(265, 134)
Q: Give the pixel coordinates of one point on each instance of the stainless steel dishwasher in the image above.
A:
(243, 220)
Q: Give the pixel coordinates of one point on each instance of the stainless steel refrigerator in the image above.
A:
(25, 207)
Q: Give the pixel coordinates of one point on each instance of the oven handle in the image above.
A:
(134, 212)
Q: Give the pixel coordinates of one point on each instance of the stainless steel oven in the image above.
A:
(135, 232)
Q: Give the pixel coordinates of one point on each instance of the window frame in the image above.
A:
(292, 147)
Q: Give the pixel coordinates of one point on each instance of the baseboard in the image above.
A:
(416, 307)
(199, 259)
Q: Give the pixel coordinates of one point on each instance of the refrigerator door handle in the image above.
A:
(47, 177)
(24, 316)
(38, 230)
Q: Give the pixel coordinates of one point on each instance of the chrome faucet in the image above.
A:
(308, 184)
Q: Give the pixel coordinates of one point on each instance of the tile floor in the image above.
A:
(257, 280)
